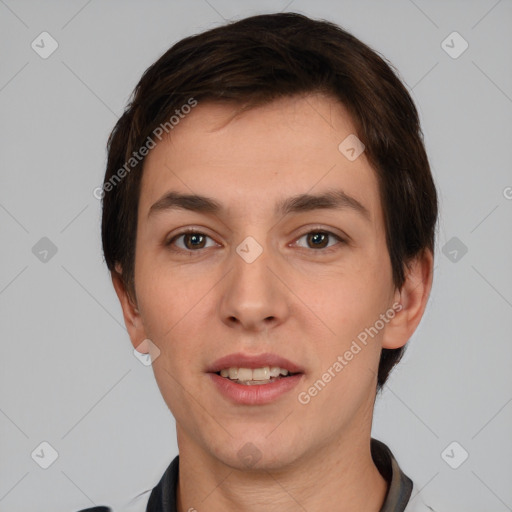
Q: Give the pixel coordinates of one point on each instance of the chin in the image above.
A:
(258, 452)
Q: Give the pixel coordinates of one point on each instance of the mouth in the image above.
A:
(254, 380)
(255, 376)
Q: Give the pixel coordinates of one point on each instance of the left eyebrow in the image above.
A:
(331, 199)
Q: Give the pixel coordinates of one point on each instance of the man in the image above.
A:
(268, 221)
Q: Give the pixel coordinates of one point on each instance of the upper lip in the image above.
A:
(240, 360)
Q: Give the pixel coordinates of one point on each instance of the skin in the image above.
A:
(296, 300)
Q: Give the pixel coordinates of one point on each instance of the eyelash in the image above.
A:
(324, 250)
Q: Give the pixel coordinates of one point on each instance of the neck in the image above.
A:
(340, 476)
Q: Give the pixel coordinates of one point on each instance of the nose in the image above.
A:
(253, 296)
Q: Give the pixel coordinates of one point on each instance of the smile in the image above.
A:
(256, 376)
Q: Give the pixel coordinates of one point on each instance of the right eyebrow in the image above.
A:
(193, 202)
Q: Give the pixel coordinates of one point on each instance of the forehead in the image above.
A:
(253, 158)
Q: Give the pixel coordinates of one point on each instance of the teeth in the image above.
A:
(256, 374)
(274, 371)
(243, 374)
(260, 373)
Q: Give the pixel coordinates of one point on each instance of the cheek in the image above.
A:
(348, 303)
(167, 296)
(351, 295)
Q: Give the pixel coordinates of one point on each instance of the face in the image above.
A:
(261, 280)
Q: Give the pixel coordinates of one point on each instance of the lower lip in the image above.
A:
(257, 394)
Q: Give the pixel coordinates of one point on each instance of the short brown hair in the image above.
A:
(257, 60)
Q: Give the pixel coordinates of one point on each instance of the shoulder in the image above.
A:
(96, 509)
(418, 504)
(136, 504)
(162, 498)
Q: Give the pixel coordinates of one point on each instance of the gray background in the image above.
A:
(68, 375)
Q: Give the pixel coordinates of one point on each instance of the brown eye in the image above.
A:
(320, 239)
(194, 240)
(190, 241)
(317, 239)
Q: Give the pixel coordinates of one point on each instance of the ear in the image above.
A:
(413, 297)
(131, 314)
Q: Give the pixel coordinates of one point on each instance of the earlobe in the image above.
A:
(131, 313)
(413, 296)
